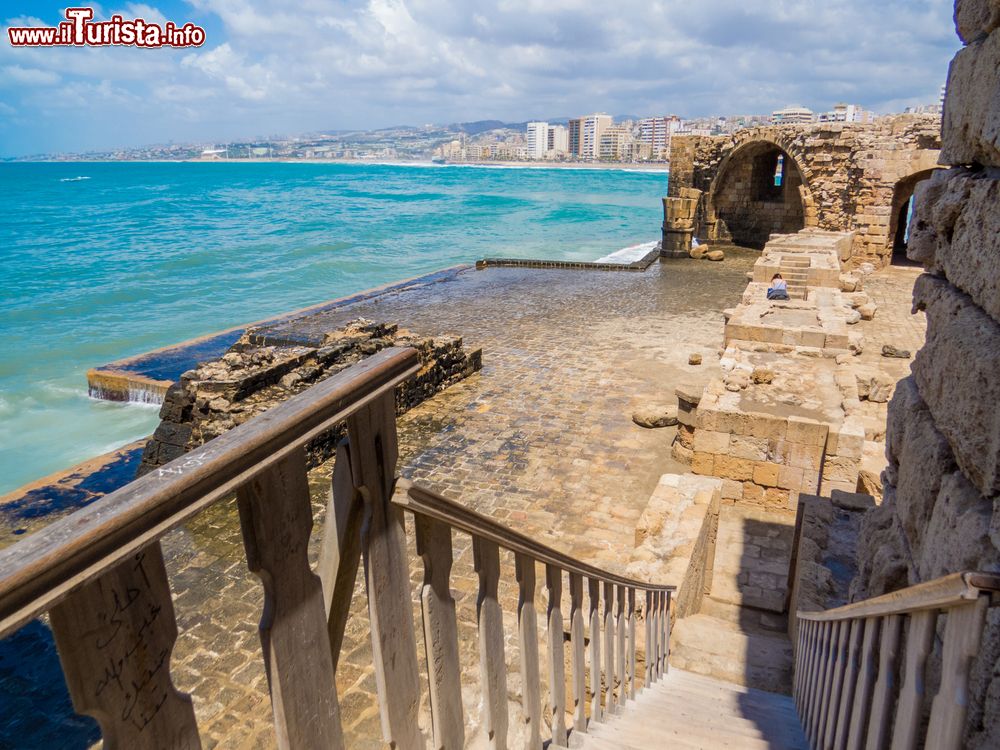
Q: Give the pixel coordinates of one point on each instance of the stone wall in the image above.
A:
(940, 512)
(252, 377)
(838, 177)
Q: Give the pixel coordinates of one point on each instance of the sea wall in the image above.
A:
(940, 512)
(253, 376)
(836, 176)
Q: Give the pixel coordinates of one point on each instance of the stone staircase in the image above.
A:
(795, 272)
(686, 710)
(740, 632)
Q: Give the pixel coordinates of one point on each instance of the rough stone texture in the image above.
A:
(970, 132)
(963, 398)
(976, 18)
(839, 177)
(955, 232)
(655, 416)
(254, 376)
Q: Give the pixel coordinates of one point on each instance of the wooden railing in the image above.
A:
(100, 575)
(858, 685)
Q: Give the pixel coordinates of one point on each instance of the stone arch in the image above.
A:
(746, 203)
(902, 197)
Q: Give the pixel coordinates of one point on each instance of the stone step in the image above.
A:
(687, 710)
(717, 648)
(749, 619)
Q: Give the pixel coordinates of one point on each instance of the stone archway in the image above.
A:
(902, 201)
(759, 190)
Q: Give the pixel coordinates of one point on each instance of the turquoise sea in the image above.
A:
(101, 261)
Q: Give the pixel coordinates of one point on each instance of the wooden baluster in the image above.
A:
(631, 643)
(650, 643)
(816, 705)
(866, 682)
(620, 634)
(850, 681)
(812, 661)
(557, 665)
(882, 700)
(578, 652)
(440, 633)
(911, 693)
(801, 639)
(808, 657)
(961, 644)
(276, 519)
(527, 632)
(596, 710)
(667, 597)
(340, 550)
(609, 647)
(831, 699)
(115, 636)
(372, 435)
(492, 665)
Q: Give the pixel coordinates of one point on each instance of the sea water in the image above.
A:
(105, 260)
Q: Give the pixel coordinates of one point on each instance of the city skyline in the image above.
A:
(286, 67)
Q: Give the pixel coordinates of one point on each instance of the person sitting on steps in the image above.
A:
(778, 288)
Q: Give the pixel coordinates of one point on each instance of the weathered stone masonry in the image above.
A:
(834, 176)
(940, 512)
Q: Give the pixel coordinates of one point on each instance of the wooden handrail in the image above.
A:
(937, 594)
(39, 571)
(424, 502)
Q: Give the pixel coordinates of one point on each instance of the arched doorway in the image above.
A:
(757, 194)
(899, 218)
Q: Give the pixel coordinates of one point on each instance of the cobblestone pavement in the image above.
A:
(541, 439)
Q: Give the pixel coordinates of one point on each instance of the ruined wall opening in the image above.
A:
(756, 194)
(899, 217)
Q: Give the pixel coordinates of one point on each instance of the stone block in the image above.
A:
(808, 457)
(790, 477)
(731, 489)
(707, 441)
(807, 431)
(742, 446)
(956, 375)
(970, 129)
(728, 467)
(766, 426)
(753, 493)
(776, 497)
(957, 534)
(703, 463)
(976, 18)
(848, 440)
(841, 469)
(766, 474)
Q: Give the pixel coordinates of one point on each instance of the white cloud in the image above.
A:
(28, 76)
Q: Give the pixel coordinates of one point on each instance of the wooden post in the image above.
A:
(620, 633)
(831, 699)
(609, 646)
(882, 699)
(816, 702)
(631, 643)
(115, 636)
(846, 701)
(440, 633)
(650, 643)
(340, 553)
(578, 652)
(666, 630)
(911, 694)
(527, 631)
(557, 665)
(372, 434)
(961, 644)
(866, 682)
(594, 590)
(276, 519)
(492, 665)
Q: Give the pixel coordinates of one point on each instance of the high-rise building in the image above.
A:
(656, 132)
(558, 140)
(847, 113)
(575, 129)
(615, 143)
(537, 139)
(792, 114)
(592, 128)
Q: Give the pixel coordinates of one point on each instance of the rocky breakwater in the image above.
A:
(253, 376)
(941, 507)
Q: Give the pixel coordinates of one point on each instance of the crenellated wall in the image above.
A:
(836, 176)
(940, 512)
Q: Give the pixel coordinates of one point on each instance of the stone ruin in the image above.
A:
(840, 177)
(940, 512)
(256, 374)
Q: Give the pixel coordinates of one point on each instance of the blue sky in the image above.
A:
(286, 67)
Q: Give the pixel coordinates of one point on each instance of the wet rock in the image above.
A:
(655, 416)
(694, 358)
